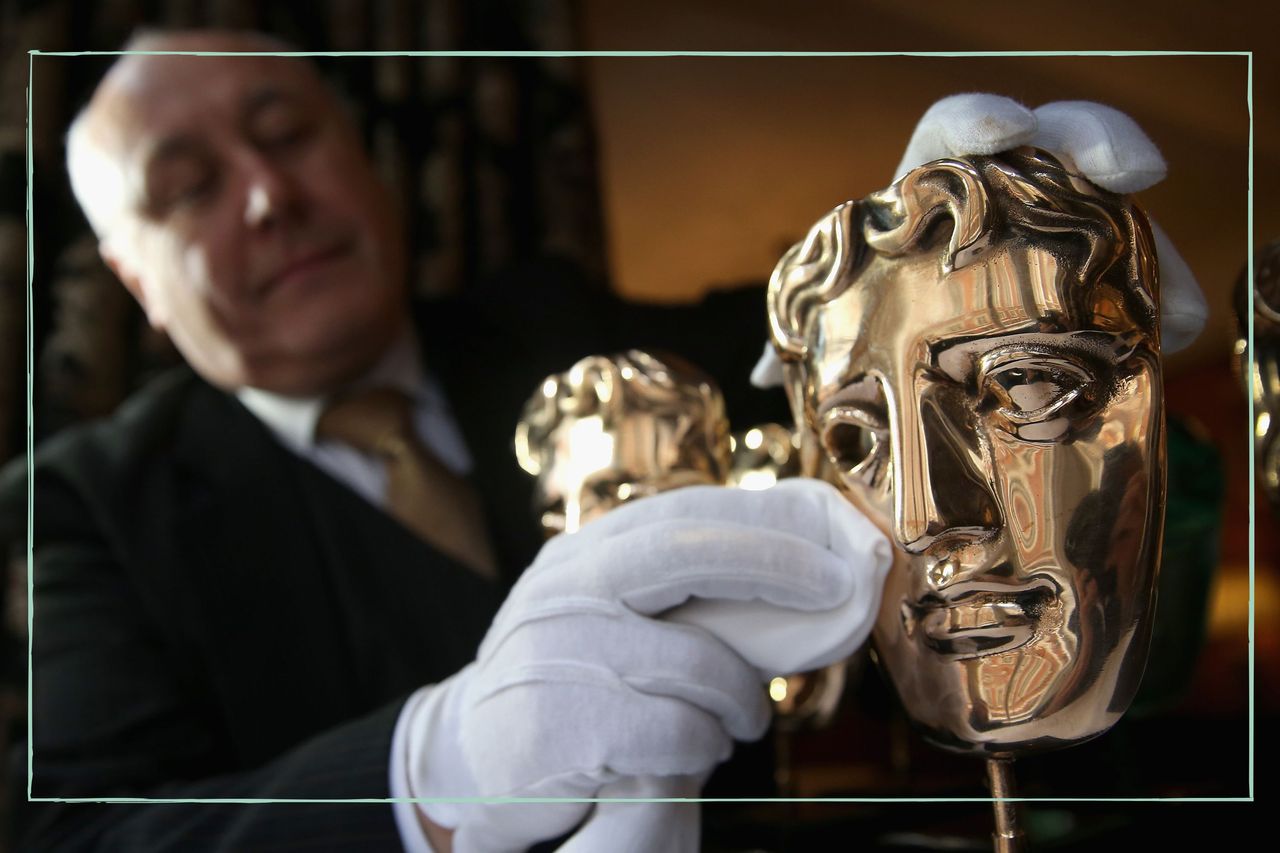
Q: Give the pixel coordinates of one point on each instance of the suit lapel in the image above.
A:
(415, 615)
(292, 625)
(309, 605)
(261, 602)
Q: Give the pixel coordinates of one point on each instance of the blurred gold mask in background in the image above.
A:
(615, 428)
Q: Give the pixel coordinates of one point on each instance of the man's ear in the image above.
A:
(131, 280)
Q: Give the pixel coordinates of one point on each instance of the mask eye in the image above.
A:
(856, 441)
(1031, 393)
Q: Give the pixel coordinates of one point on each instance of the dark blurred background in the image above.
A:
(669, 176)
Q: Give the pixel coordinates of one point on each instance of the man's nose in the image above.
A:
(942, 485)
(270, 194)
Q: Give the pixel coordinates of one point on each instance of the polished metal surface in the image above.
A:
(615, 428)
(762, 456)
(809, 700)
(1262, 371)
(975, 353)
(1008, 836)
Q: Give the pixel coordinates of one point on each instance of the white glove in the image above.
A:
(772, 640)
(1105, 146)
(618, 826)
(576, 685)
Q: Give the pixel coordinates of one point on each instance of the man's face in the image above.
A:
(254, 230)
(1012, 451)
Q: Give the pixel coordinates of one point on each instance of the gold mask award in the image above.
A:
(615, 428)
(973, 355)
(612, 429)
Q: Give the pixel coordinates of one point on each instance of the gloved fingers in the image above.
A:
(971, 123)
(1183, 310)
(775, 642)
(654, 787)
(799, 545)
(674, 739)
(1106, 146)
(616, 827)
(629, 827)
(699, 523)
(571, 726)
(514, 827)
(768, 370)
(648, 655)
(661, 566)
(799, 512)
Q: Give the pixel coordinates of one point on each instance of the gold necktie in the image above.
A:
(422, 494)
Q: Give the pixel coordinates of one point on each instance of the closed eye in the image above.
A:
(1032, 393)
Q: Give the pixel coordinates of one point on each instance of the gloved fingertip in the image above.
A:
(1129, 181)
(1183, 309)
(967, 123)
(1179, 331)
(768, 370)
(1105, 145)
(985, 124)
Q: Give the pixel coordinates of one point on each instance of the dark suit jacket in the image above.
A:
(216, 618)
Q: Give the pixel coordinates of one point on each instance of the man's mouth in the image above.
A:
(302, 265)
(979, 619)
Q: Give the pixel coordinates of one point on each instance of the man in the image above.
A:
(223, 611)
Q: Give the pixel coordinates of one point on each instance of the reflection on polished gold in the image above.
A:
(762, 456)
(1263, 370)
(616, 428)
(809, 700)
(975, 350)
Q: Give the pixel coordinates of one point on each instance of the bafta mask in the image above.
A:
(613, 429)
(974, 355)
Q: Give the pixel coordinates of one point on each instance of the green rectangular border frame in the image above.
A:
(30, 442)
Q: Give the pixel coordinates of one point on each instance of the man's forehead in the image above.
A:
(145, 97)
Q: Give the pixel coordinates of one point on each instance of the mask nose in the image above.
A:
(942, 485)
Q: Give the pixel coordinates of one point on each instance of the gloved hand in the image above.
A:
(1104, 144)
(577, 684)
(772, 640)
(1099, 142)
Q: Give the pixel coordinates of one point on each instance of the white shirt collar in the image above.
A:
(293, 419)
